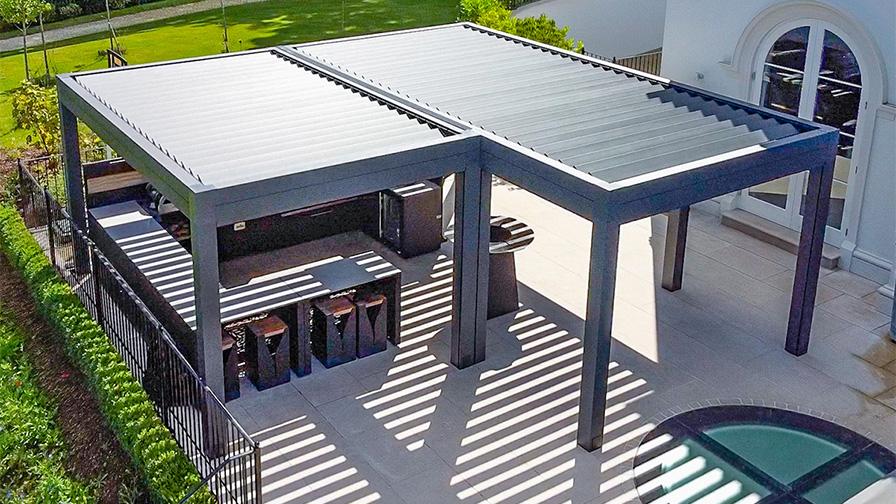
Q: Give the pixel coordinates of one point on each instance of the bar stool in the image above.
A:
(371, 323)
(231, 368)
(334, 329)
(267, 352)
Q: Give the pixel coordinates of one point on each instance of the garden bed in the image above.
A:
(94, 454)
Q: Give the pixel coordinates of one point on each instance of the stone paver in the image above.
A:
(68, 32)
(407, 427)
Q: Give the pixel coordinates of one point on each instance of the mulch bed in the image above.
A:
(94, 452)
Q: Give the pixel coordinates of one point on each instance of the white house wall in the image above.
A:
(700, 47)
(607, 27)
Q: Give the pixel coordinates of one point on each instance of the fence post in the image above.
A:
(97, 284)
(257, 454)
(160, 378)
(20, 190)
(50, 220)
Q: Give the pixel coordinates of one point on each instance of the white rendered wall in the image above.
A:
(607, 27)
(702, 37)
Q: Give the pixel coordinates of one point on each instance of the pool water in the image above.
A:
(784, 454)
(748, 454)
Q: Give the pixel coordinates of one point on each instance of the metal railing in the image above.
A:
(650, 62)
(226, 457)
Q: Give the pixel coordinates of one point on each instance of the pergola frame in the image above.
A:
(473, 156)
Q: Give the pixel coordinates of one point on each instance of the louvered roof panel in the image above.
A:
(251, 116)
(611, 124)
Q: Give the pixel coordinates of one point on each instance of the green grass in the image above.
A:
(32, 448)
(253, 25)
(167, 472)
(98, 16)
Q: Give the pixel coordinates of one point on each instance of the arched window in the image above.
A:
(811, 72)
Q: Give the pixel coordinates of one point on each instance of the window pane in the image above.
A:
(838, 61)
(790, 49)
(838, 106)
(774, 192)
(781, 89)
(782, 84)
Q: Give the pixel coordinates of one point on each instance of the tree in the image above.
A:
(22, 14)
(36, 110)
(43, 45)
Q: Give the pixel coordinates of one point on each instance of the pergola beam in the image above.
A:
(170, 178)
(539, 174)
(684, 187)
(351, 178)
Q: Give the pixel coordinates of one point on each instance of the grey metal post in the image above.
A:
(74, 173)
(673, 254)
(598, 329)
(808, 261)
(893, 321)
(74, 186)
(209, 355)
(204, 245)
(471, 234)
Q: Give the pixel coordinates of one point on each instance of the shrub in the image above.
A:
(165, 469)
(32, 449)
(69, 11)
(35, 109)
(493, 14)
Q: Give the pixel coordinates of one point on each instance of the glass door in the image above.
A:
(809, 72)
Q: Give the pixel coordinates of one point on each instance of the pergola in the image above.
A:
(238, 136)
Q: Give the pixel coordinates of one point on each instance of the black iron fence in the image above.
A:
(227, 458)
(649, 62)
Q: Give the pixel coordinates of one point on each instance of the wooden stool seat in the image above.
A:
(334, 335)
(335, 307)
(269, 326)
(267, 352)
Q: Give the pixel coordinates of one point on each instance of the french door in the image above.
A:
(810, 72)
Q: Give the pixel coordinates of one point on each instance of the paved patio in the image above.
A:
(405, 426)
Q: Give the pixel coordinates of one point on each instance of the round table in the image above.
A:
(506, 236)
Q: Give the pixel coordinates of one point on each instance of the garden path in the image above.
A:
(91, 27)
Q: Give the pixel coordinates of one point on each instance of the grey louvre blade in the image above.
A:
(688, 153)
(578, 112)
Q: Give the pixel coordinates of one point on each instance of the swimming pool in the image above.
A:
(749, 454)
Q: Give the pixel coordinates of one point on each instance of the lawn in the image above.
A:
(253, 25)
(99, 16)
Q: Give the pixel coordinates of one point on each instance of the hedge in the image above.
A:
(32, 449)
(496, 14)
(165, 469)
